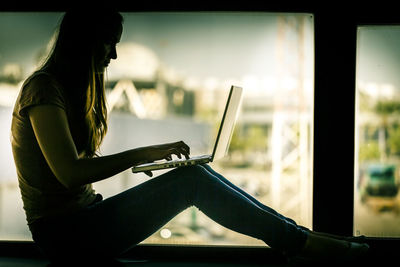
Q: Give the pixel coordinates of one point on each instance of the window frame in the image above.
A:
(330, 214)
(335, 74)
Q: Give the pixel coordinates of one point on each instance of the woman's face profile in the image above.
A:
(107, 50)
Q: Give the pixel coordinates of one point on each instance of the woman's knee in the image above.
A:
(190, 171)
(195, 175)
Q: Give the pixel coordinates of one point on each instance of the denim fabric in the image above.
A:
(111, 226)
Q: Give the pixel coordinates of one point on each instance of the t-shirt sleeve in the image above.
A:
(40, 90)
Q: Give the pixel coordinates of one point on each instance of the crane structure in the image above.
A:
(291, 135)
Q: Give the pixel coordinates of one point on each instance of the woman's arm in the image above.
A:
(50, 125)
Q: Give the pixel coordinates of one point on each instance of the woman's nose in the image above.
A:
(113, 54)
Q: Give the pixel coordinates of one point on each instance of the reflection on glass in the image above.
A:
(170, 82)
(377, 200)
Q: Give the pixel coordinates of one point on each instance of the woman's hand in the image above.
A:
(165, 151)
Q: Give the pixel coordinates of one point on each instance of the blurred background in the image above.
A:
(377, 202)
(169, 83)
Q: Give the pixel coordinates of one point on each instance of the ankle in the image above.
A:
(319, 244)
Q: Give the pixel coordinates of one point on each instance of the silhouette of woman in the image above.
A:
(59, 121)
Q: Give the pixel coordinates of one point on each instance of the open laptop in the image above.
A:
(221, 144)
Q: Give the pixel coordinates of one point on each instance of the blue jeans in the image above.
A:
(111, 226)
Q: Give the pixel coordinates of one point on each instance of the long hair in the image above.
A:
(72, 61)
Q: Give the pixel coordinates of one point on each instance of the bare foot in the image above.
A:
(321, 247)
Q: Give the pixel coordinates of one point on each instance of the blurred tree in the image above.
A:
(369, 151)
(386, 142)
(394, 140)
(253, 138)
(386, 108)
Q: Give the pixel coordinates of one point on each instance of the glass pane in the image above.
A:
(170, 82)
(377, 139)
(24, 37)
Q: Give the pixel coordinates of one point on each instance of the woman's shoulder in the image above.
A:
(42, 82)
(40, 78)
(40, 88)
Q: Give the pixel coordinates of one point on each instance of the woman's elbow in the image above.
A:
(66, 174)
(65, 180)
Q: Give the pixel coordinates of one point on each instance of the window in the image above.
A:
(24, 37)
(173, 73)
(377, 140)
